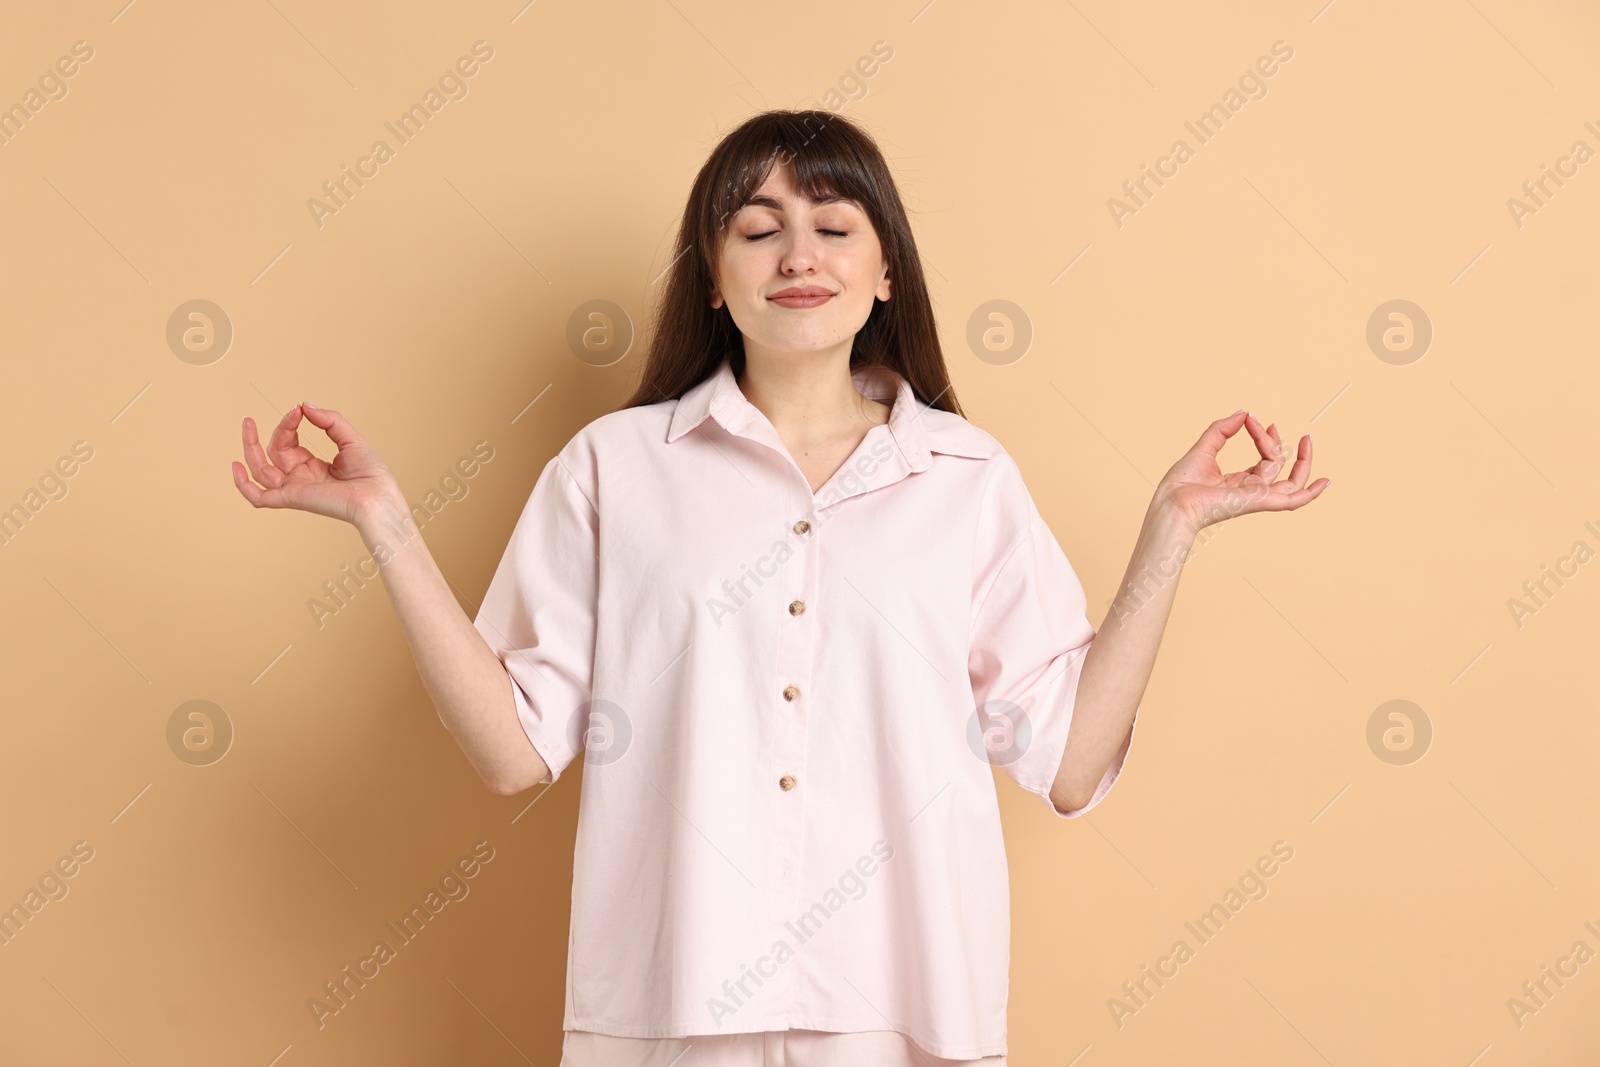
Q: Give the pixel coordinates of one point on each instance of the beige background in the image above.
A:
(432, 310)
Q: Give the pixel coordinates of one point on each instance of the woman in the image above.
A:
(792, 607)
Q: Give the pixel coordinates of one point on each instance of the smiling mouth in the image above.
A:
(801, 298)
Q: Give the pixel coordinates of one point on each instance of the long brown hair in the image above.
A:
(830, 155)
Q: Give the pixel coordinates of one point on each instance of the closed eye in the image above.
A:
(769, 233)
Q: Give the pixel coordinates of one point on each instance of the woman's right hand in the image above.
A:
(354, 483)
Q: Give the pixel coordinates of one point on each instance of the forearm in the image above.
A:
(1118, 665)
(467, 682)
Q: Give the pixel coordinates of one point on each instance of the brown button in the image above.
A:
(786, 783)
(790, 693)
(796, 607)
(802, 526)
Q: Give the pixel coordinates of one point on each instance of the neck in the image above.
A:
(807, 394)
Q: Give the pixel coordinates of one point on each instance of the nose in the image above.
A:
(799, 252)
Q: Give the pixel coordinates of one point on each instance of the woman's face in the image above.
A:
(781, 241)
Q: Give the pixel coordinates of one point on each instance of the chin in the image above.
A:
(807, 344)
(803, 342)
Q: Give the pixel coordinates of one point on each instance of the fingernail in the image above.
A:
(1235, 413)
(308, 404)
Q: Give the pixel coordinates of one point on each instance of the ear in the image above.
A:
(883, 288)
(716, 299)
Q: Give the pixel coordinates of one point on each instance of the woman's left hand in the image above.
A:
(1197, 491)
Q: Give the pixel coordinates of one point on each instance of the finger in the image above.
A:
(1288, 501)
(1272, 430)
(241, 480)
(1267, 445)
(1216, 435)
(1301, 497)
(1271, 451)
(260, 467)
(1260, 487)
(1264, 471)
(335, 425)
(284, 446)
(1302, 464)
(271, 498)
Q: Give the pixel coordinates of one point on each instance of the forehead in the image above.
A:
(779, 179)
(778, 190)
(779, 199)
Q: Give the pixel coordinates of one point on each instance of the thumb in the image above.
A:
(335, 425)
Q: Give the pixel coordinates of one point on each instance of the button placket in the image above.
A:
(791, 710)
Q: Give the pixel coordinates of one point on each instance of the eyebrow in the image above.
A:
(776, 203)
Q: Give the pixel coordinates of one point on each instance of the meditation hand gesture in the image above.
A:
(356, 482)
(1197, 491)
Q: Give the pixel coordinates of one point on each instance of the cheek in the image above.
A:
(747, 266)
(858, 270)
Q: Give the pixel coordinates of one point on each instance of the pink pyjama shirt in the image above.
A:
(789, 704)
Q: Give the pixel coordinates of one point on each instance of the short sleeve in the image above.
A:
(538, 614)
(1030, 635)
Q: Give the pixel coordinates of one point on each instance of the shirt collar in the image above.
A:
(719, 397)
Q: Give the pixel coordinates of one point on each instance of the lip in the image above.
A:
(801, 296)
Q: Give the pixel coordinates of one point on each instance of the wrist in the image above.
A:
(385, 517)
(1169, 522)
